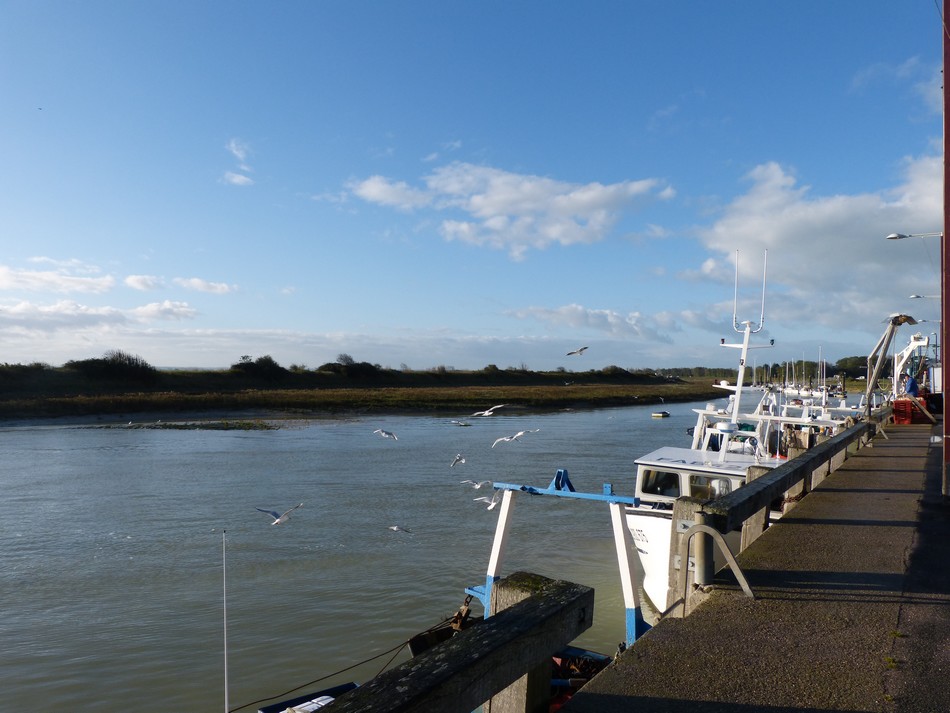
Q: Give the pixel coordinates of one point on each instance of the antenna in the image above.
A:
(735, 305)
(746, 330)
(224, 580)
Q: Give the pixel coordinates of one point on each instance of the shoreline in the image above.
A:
(278, 418)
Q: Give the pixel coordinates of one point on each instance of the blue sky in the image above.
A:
(464, 183)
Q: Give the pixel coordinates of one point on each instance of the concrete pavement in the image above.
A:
(851, 609)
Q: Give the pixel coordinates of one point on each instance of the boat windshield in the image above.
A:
(708, 486)
(660, 482)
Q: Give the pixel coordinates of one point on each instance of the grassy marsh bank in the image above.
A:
(43, 392)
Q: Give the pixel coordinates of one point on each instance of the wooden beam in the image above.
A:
(460, 674)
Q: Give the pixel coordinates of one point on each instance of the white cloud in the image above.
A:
(607, 321)
(64, 314)
(829, 263)
(511, 211)
(166, 310)
(67, 316)
(199, 285)
(238, 149)
(144, 282)
(237, 179)
(930, 90)
(55, 281)
(377, 189)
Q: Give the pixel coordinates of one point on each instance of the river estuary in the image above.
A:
(113, 547)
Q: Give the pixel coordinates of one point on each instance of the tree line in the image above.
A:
(122, 368)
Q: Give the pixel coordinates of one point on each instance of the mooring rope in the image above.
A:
(394, 651)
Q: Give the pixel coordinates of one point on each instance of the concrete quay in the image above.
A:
(851, 609)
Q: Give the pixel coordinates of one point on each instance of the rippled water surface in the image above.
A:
(113, 554)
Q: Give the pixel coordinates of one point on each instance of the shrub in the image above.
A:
(116, 364)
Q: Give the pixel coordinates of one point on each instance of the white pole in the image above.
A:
(224, 579)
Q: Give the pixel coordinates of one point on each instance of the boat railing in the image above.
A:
(746, 509)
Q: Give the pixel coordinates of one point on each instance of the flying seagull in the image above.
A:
(507, 439)
(490, 411)
(475, 485)
(578, 351)
(399, 528)
(278, 518)
(458, 459)
(461, 423)
(492, 501)
(386, 434)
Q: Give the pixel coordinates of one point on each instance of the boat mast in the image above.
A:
(746, 330)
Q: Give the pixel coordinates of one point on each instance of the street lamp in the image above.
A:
(903, 236)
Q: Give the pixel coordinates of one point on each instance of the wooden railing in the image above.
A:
(502, 662)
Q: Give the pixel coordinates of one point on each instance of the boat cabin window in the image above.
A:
(661, 482)
(707, 487)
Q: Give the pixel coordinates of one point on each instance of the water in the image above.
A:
(112, 547)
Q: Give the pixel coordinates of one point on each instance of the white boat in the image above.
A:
(726, 443)
(663, 476)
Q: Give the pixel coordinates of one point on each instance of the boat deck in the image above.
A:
(851, 609)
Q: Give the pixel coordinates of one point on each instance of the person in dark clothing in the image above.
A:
(910, 385)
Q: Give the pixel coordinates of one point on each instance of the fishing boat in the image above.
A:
(726, 443)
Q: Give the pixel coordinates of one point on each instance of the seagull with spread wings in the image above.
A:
(278, 518)
(508, 439)
(490, 411)
(492, 501)
(476, 485)
(578, 351)
(386, 434)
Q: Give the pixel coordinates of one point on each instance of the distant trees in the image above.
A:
(116, 364)
(853, 366)
(265, 367)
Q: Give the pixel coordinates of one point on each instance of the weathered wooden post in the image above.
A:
(532, 692)
(462, 673)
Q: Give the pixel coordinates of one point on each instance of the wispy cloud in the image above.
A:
(240, 151)
(65, 314)
(884, 71)
(395, 194)
(924, 80)
(514, 212)
(606, 321)
(447, 147)
(237, 179)
(144, 283)
(68, 315)
(52, 280)
(200, 285)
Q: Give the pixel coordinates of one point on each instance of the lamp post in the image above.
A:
(903, 236)
(944, 284)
